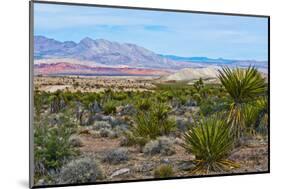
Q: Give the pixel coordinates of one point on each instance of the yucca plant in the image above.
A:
(109, 107)
(211, 141)
(261, 123)
(154, 122)
(244, 86)
(250, 115)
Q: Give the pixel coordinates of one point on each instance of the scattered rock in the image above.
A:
(41, 182)
(186, 165)
(120, 172)
(165, 160)
(145, 167)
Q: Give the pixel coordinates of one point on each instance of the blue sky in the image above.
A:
(181, 34)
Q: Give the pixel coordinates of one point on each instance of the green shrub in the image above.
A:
(143, 104)
(52, 146)
(81, 170)
(198, 85)
(119, 96)
(153, 123)
(212, 105)
(109, 107)
(164, 171)
(211, 141)
(255, 116)
(129, 139)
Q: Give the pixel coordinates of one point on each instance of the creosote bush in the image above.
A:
(52, 146)
(164, 171)
(81, 170)
(162, 145)
(104, 132)
(75, 141)
(116, 156)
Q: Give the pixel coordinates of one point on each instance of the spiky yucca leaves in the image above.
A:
(109, 107)
(250, 115)
(211, 141)
(255, 116)
(243, 86)
(154, 122)
(261, 124)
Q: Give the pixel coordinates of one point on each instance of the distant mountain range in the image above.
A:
(205, 61)
(198, 59)
(101, 56)
(101, 51)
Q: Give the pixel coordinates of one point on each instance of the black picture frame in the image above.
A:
(31, 61)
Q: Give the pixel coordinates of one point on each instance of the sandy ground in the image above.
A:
(250, 158)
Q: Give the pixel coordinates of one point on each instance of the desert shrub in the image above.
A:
(153, 123)
(164, 171)
(119, 96)
(109, 107)
(38, 103)
(75, 141)
(129, 139)
(255, 116)
(57, 103)
(101, 125)
(261, 124)
(104, 132)
(211, 141)
(143, 104)
(152, 148)
(198, 85)
(52, 147)
(81, 170)
(212, 105)
(116, 156)
(162, 145)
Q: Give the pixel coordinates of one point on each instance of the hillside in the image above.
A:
(188, 74)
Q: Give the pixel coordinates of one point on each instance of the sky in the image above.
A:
(169, 33)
